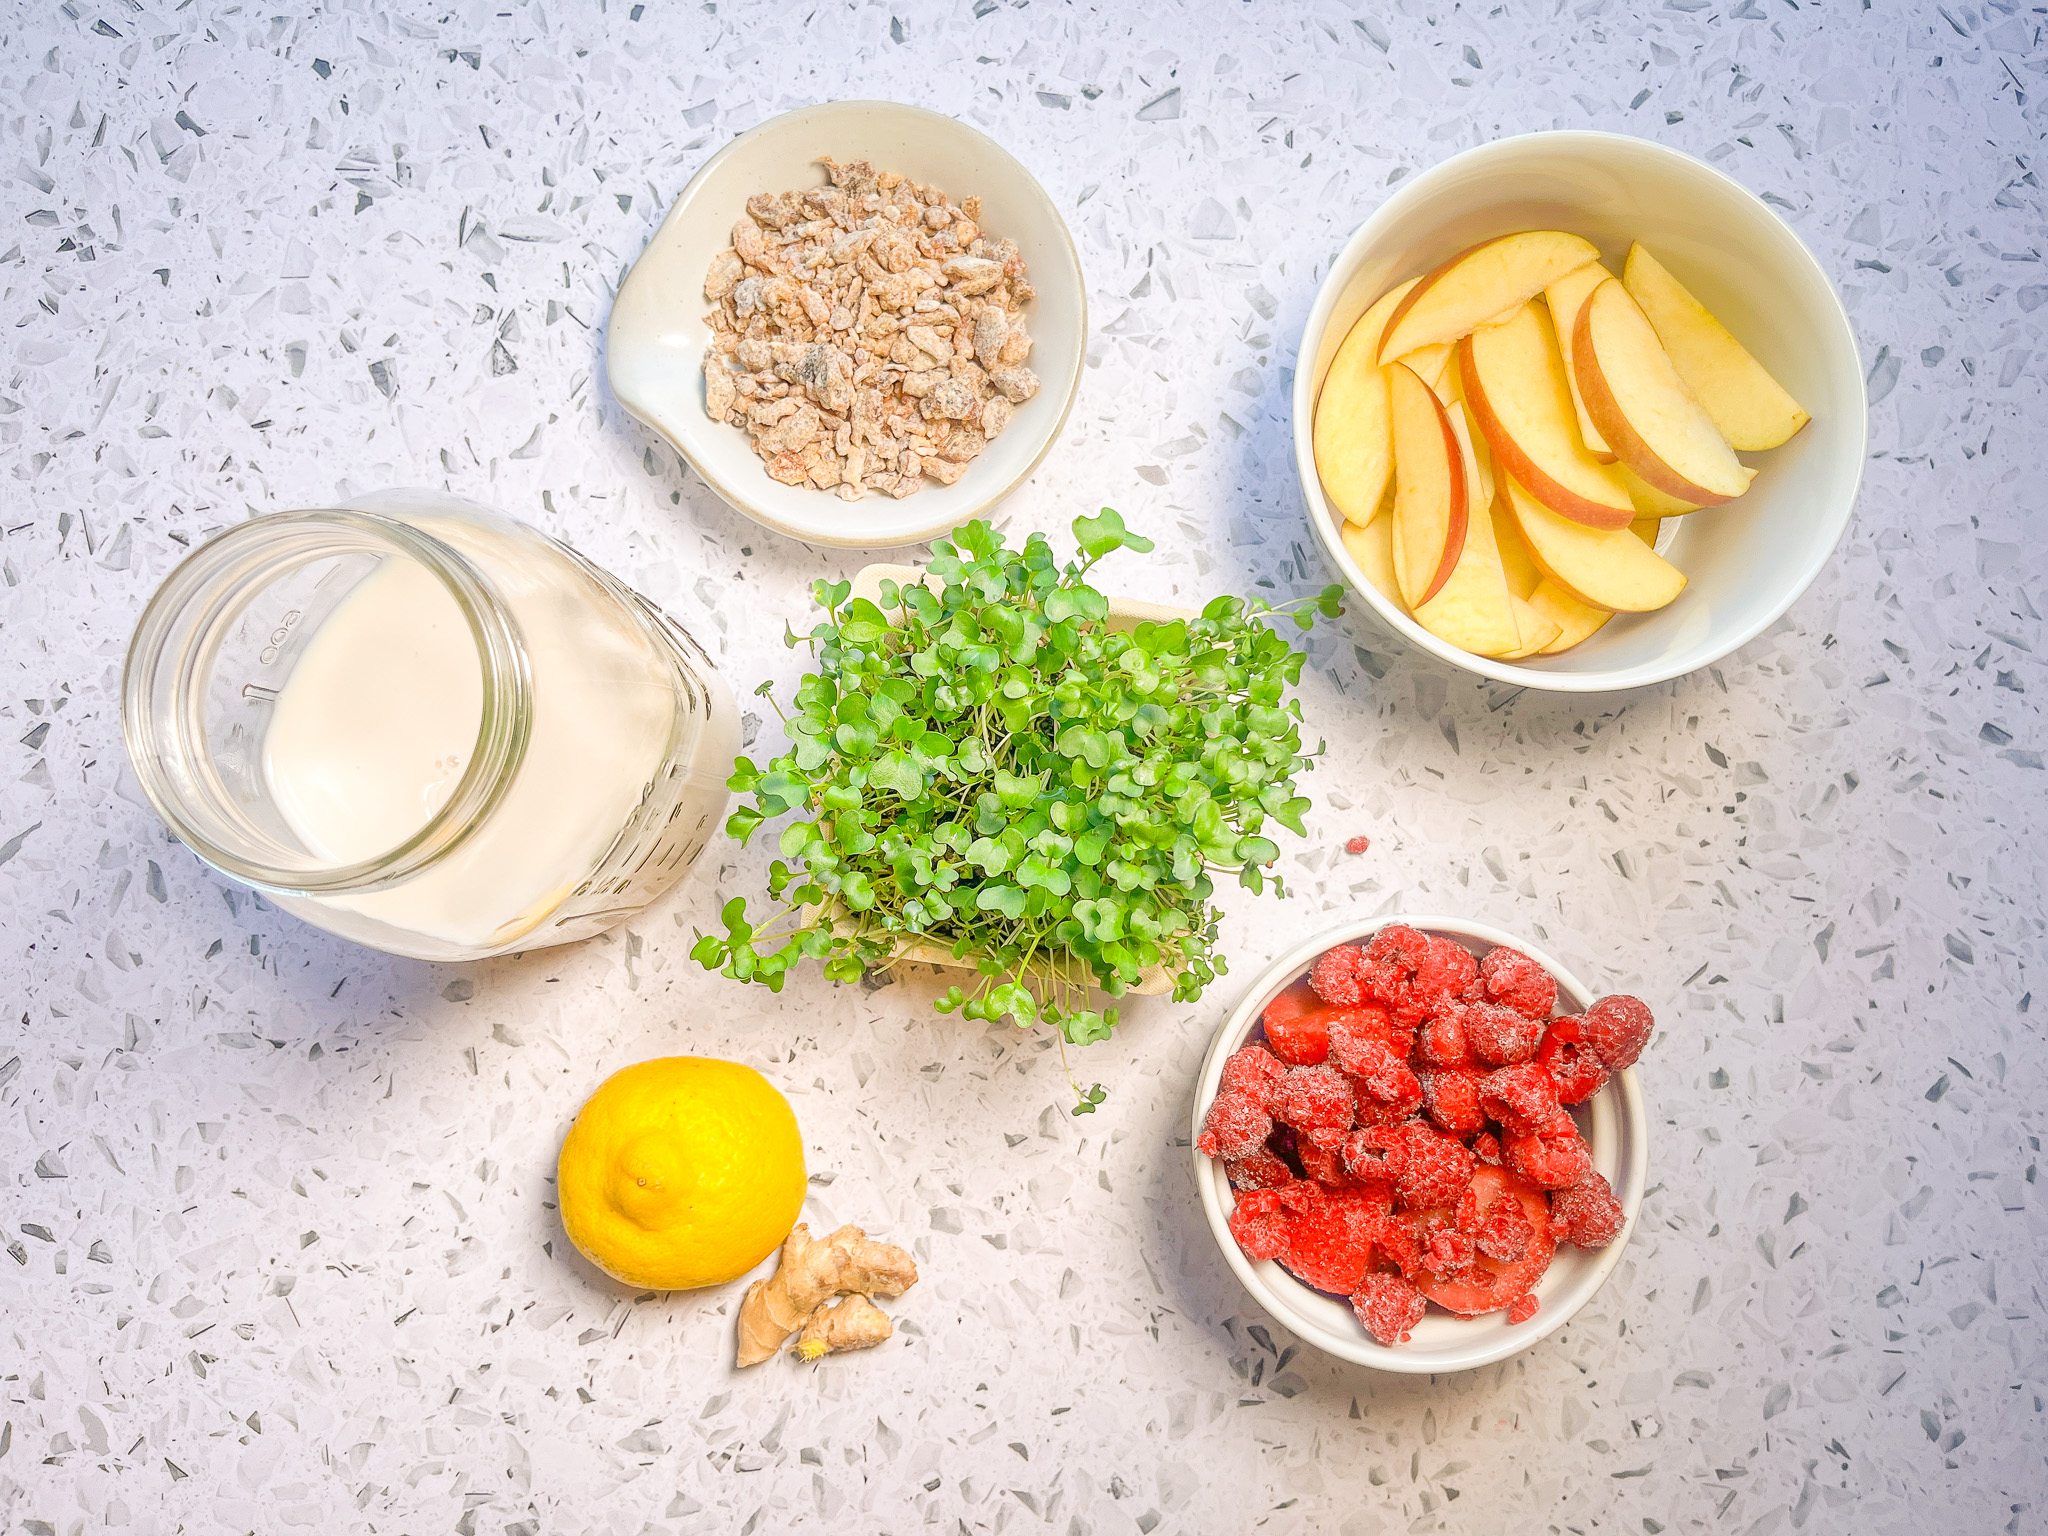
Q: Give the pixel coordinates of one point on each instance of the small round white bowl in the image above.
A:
(1746, 563)
(655, 340)
(1613, 1123)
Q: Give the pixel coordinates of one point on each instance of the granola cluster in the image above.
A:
(868, 334)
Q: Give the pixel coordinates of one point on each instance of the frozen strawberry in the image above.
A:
(1391, 961)
(1388, 1306)
(1499, 1036)
(1434, 1170)
(1379, 1074)
(1522, 1098)
(1329, 1246)
(1297, 1025)
(1252, 1070)
(1236, 1126)
(1512, 979)
(1317, 1102)
(1450, 1097)
(1550, 1161)
(1587, 1214)
(1617, 1028)
(1263, 1169)
(1570, 1062)
(1523, 1309)
(1353, 1027)
(1490, 1283)
(1441, 1042)
(1486, 1147)
(1338, 976)
(1264, 1217)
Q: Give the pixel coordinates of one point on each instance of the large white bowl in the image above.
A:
(655, 341)
(1746, 563)
(1613, 1123)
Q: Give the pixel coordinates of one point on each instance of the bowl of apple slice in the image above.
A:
(1577, 411)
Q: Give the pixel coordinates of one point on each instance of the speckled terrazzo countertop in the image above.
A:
(278, 1246)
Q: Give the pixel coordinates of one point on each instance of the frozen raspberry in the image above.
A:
(1448, 1253)
(1338, 977)
(1351, 1029)
(1512, 979)
(1379, 1074)
(1264, 1169)
(1317, 1102)
(1376, 1154)
(1329, 1246)
(1486, 1147)
(1389, 1307)
(1391, 961)
(1491, 1284)
(1297, 1025)
(1264, 1217)
(1550, 1162)
(1505, 1232)
(1570, 1062)
(1446, 971)
(1587, 1214)
(1522, 1098)
(1401, 1244)
(1252, 1071)
(1325, 1166)
(1358, 845)
(1499, 1036)
(1451, 1098)
(1236, 1126)
(1617, 1028)
(1435, 1169)
(1523, 1309)
(1441, 1042)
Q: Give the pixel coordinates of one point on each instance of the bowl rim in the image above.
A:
(1326, 522)
(1068, 257)
(1259, 1276)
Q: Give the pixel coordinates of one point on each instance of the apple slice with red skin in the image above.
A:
(1473, 609)
(1490, 1286)
(1432, 501)
(1752, 409)
(1564, 298)
(1602, 567)
(1515, 383)
(1479, 283)
(1354, 446)
(1643, 408)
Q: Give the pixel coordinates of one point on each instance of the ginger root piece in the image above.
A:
(854, 1323)
(811, 1273)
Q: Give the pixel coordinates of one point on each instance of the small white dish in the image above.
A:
(1613, 1122)
(655, 340)
(1745, 563)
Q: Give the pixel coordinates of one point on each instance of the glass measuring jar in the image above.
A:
(426, 727)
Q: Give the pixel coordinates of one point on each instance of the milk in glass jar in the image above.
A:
(426, 727)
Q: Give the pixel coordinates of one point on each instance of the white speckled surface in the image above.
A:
(277, 1212)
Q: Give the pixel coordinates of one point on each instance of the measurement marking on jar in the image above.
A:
(278, 636)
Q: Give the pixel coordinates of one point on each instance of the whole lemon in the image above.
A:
(680, 1172)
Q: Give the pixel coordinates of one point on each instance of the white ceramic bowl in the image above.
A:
(1746, 563)
(655, 341)
(1612, 1121)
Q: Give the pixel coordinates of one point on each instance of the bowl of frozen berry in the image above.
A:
(1420, 1142)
